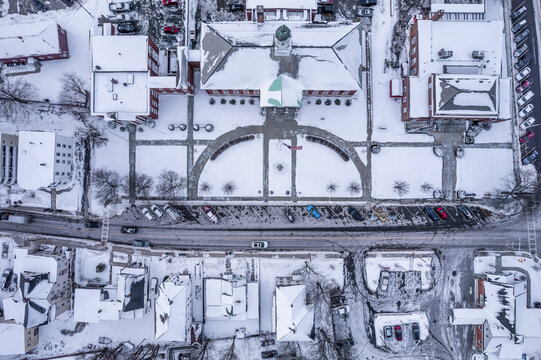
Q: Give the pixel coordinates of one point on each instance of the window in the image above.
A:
(405, 89)
(63, 173)
(57, 154)
(69, 155)
(413, 39)
(58, 161)
(63, 154)
(63, 161)
(36, 331)
(413, 50)
(69, 162)
(404, 99)
(413, 61)
(64, 146)
(57, 173)
(404, 109)
(69, 146)
(414, 71)
(57, 145)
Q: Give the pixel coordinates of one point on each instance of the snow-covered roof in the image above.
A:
(132, 284)
(282, 4)
(34, 263)
(227, 299)
(31, 39)
(239, 55)
(456, 36)
(170, 315)
(120, 53)
(294, 320)
(88, 306)
(12, 339)
(111, 95)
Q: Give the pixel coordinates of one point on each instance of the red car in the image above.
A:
(170, 2)
(170, 30)
(528, 136)
(525, 84)
(398, 332)
(441, 213)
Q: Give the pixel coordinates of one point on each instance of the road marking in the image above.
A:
(449, 214)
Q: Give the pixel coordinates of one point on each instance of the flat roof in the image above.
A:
(29, 39)
(418, 96)
(282, 4)
(35, 164)
(120, 53)
(129, 94)
(12, 341)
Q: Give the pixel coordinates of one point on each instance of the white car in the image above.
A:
(384, 285)
(159, 213)
(259, 244)
(124, 17)
(526, 111)
(148, 214)
(171, 212)
(528, 122)
(210, 213)
(525, 98)
(523, 73)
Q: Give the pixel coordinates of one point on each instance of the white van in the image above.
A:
(171, 212)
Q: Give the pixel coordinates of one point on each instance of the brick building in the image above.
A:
(284, 10)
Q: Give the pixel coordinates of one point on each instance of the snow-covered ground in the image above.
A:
(416, 166)
(172, 110)
(402, 319)
(498, 133)
(153, 160)
(398, 261)
(279, 169)
(483, 171)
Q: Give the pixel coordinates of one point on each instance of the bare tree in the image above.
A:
(205, 187)
(229, 188)
(401, 187)
(143, 185)
(74, 90)
(203, 353)
(91, 133)
(230, 352)
(107, 185)
(325, 347)
(15, 99)
(524, 187)
(427, 187)
(331, 188)
(354, 188)
(170, 184)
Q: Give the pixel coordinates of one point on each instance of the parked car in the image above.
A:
(398, 332)
(120, 6)
(154, 286)
(366, 12)
(169, 210)
(127, 27)
(384, 280)
(521, 50)
(235, 7)
(369, 2)
(92, 224)
(519, 26)
(210, 214)
(530, 134)
(5, 250)
(170, 2)
(522, 36)
(268, 354)
(518, 13)
(321, 19)
(459, 152)
(523, 61)
(416, 331)
(141, 243)
(156, 210)
(523, 74)
(289, 215)
(524, 99)
(128, 229)
(123, 17)
(524, 85)
(313, 211)
(465, 212)
(527, 110)
(148, 214)
(431, 213)
(170, 30)
(441, 213)
(528, 122)
(388, 332)
(7, 275)
(325, 1)
(325, 9)
(259, 244)
(530, 158)
(354, 213)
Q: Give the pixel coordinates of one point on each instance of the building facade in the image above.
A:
(8, 158)
(273, 10)
(16, 339)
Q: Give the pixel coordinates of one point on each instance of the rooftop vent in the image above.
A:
(478, 55)
(445, 54)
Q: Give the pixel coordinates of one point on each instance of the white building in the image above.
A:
(95, 305)
(45, 160)
(15, 339)
(8, 158)
(293, 318)
(173, 309)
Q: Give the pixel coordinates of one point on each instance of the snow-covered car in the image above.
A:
(171, 212)
(126, 28)
(170, 2)
(366, 12)
(519, 26)
(530, 134)
(521, 50)
(148, 214)
(259, 244)
(6, 278)
(465, 212)
(153, 287)
(289, 215)
(528, 122)
(120, 6)
(524, 99)
(523, 73)
(526, 111)
(384, 281)
(518, 13)
(156, 210)
(235, 7)
(530, 158)
(523, 61)
(210, 214)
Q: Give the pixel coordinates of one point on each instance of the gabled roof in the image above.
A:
(466, 95)
(294, 320)
(170, 309)
(30, 39)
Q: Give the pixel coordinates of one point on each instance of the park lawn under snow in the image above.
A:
(153, 160)
(279, 169)
(318, 167)
(483, 171)
(115, 155)
(241, 164)
(498, 133)
(414, 165)
(172, 110)
(347, 122)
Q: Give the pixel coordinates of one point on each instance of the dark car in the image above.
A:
(269, 354)
(289, 215)
(431, 213)
(170, 2)
(519, 26)
(5, 250)
(141, 243)
(416, 331)
(518, 13)
(369, 2)
(528, 136)
(366, 12)
(6, 278)
(128, 230)
(465, 212)
(235, 7)
(354, 213)
(523, 61)
(126, 28)
(92, 224)
(522, 36)
(521, 50)
(524, 85)
(530, 158)
(398, 332)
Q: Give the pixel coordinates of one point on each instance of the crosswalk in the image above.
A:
(532, 237)
(105, 230)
